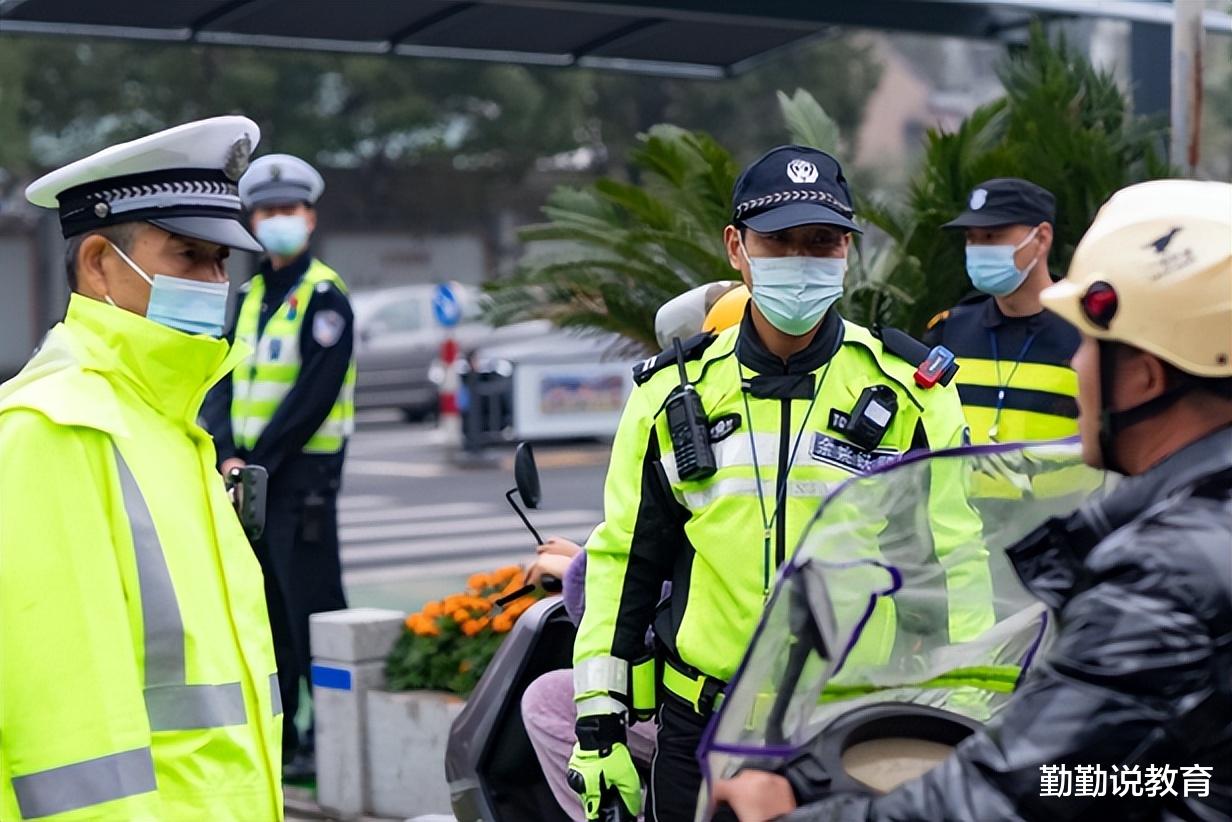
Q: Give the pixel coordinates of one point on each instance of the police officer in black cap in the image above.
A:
(792, 399)
(290, 407)
(1015, 379)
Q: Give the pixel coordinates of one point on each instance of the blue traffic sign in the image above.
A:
(445, 306)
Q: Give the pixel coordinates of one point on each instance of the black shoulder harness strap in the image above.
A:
(693, 348)
(908, 348)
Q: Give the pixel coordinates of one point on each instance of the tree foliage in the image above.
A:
(1062, 124)
(61, 99)
(619, 251)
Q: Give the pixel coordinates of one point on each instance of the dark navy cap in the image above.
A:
(1006, 201)
(790, 186)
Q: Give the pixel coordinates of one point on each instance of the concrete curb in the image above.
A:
(302, 807)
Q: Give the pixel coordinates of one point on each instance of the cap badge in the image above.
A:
(802, 171)
(978, 198)
(275, 173)
(237, 158)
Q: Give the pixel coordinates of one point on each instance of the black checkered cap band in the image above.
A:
(825, 198)
(158, 194)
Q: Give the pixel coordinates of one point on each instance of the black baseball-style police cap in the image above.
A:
(791, 186)
(1006, 201)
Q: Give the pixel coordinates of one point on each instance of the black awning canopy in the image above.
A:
(702, 38)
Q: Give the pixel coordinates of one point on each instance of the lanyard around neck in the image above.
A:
(768, 521)
(1001, 386)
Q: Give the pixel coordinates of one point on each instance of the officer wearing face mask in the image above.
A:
(290, 408)
(795, 400)
(1016, 383)
(137, 675)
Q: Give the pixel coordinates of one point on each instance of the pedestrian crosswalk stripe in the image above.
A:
(356, 502)
(397, 512)
(485, 547)
(389, 468)
(369, 533)
(393, 575)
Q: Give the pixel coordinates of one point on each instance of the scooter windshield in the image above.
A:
(899, 591)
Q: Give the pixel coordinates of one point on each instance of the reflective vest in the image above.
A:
(260, 384)
(725, 570)
(137, 673)
(1014, 374)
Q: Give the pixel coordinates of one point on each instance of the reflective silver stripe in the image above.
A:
(275, 694)
(601, 673)
(747, 487)
(160, 613)
(82, 784)
(735, 452)
(184, 707)
(600, 706)
(171, 703)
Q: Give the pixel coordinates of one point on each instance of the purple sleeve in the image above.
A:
(575, 588)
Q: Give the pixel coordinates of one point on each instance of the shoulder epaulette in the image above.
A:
(692, 348)
(939, 317)
(908, 348)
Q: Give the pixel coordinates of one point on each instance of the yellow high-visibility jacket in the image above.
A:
(137, 674)
(711, 537)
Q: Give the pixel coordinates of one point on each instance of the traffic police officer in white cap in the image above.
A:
(134, 640)
(290, 408)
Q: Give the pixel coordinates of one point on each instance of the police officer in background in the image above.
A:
(290, 408)
(1015, 381)
(794, 398)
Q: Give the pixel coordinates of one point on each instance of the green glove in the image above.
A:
(606, 781)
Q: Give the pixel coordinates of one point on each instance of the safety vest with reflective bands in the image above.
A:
(709, 536)
(1014, 373)
(260, 384)
(137, 673)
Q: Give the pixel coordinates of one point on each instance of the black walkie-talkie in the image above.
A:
(688, 427)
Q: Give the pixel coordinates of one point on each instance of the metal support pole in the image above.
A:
(1187, 41)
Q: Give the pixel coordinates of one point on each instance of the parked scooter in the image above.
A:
(492, 770)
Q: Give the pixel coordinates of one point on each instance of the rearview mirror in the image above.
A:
(526, 475)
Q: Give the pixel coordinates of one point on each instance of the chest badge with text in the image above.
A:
(849, 457)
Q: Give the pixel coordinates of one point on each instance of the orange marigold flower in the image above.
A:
(473, 626)
(432, 609)
(461, 615)
(502, 623)
(477, 582)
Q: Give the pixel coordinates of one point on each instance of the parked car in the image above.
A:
(398, 345)
(397, 340)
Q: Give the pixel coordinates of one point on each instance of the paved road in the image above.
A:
(414, 524)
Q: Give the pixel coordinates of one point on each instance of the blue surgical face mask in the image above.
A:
(185, 305)
(793, 293)
(284, 235)
(992, 269)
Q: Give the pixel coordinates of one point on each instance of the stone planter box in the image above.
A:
(406, 737)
